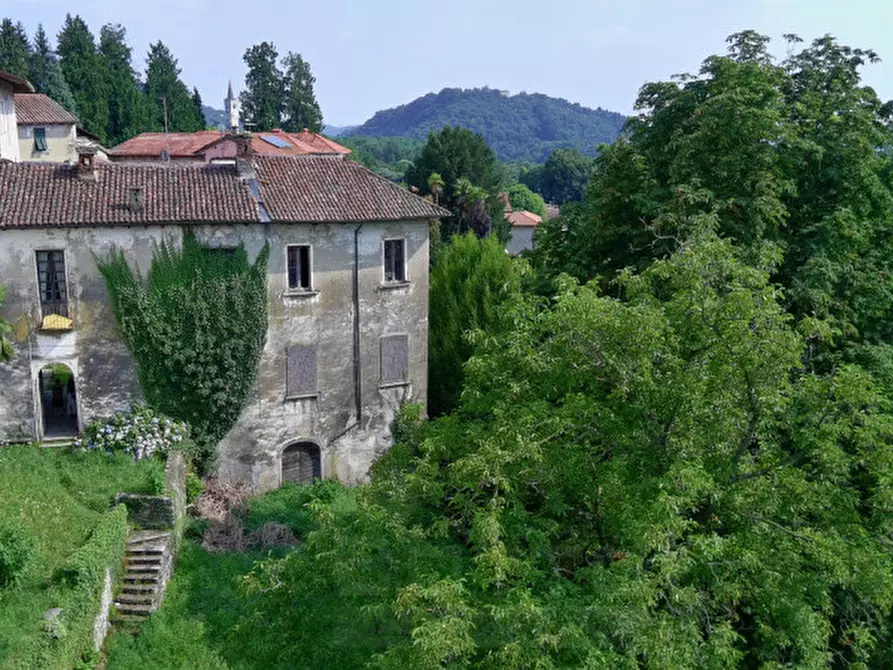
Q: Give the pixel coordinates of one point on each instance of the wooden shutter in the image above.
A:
(301, 371)
(394, 358)
(301, 463)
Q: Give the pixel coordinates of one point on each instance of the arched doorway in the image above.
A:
(58, 401)
(301, 463)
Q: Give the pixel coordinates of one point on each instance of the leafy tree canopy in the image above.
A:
(563, 178)
(45, 72)
(128, 112)
(86, 75)
(263, 98)
(300, 109)
(163, 83)
(522, 198)
(14, 48)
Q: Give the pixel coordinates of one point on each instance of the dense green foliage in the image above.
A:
(14, 48)
(390, 157)
(523, 199)
(85, 73)
(59, 499)
(139, 432)
(470, 281)
(127, 106)
(45, 72)
(17, 549)
(6, 349)
(278, 98)
(562, 178)
(164, 88)
(196, 328)
(523, 127)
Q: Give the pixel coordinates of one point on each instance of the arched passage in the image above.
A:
(58, 401)
(301, 463)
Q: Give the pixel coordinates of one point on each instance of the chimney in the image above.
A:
(86, 169)
(135, 199)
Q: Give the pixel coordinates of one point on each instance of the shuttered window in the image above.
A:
(51, 282)
(394, 260)
(301, 372)
(301, 463)
(40, 139)
(394, 359)
(299, 276)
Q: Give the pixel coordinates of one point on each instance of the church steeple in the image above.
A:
(231, 108)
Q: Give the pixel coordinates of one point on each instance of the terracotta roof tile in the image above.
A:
(292, 189)
(19, 85)
(524, 219)
(179, 145)
(35, 109)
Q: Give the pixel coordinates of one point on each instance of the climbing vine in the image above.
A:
(196, 327)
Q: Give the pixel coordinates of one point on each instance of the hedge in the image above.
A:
(69, 641)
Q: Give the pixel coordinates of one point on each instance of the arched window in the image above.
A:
(301, 463)
(58, 400)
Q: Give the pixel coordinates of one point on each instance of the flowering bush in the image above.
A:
(140, 432)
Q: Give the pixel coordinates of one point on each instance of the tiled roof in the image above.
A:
(19, 85)
(291, 189)
(524, 219)
(331, 188)
(179, 145)
(35, 109)
(193, 145)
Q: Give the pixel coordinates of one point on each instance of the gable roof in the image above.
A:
(524, 219)
(34, 109)
(306, 189)
(19, 85)
(193, 145)
(179, 145)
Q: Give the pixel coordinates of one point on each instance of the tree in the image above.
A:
(300, 109)
(469, 282)
(15, 52)
(45, 72)
(198, 104)
(563, 178)
(128, 115)
(523, 199)
(163, 83)
(263, 99)
(83, 69)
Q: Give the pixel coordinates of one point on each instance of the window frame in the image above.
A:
(40, 140)
(310, 289)
(384, 265)
(65, 301)
(390, 383)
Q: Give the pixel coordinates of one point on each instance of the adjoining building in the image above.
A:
(347, 291)
(46, 130)
(10, 85)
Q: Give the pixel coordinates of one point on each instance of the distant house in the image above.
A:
(523, 225)
(47, 131)
(10, 85)
(210, 145)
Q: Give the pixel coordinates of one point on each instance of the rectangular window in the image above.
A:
(40, 139)
(394, 359)
(300, 376)
(299, 275)
(394, 260)
(51, 282)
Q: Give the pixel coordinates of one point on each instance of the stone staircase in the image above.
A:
(147, 568)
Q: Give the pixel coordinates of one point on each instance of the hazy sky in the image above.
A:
(373, 54)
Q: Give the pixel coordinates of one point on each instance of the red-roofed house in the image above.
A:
(347, 292)
(523, 225)
(47, 131)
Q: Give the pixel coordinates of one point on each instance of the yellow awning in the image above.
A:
(57, 322)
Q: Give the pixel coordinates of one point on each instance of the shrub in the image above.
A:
(140, 432)
(17, 549)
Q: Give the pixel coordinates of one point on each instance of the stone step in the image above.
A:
(141, 559)
(146, 550)
(135, 610)
(138, 588)
(144, 536)
(141, 576)
(134, 599)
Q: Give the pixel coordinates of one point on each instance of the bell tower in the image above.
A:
(231, 109)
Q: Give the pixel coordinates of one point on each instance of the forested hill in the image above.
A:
(522, 127)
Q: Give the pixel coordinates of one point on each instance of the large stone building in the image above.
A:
(347, 291)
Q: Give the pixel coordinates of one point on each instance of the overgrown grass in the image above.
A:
(196, 627)
(57, 497)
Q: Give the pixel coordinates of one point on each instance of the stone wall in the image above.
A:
(161, 512)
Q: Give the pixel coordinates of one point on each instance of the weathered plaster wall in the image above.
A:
(9, 141)
(522, 238)
(251, 452)
(61, 140)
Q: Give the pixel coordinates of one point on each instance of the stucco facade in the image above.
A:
(9, 144)
(349, 416)
(61, 143)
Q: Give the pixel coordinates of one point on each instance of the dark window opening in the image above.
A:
(51, 283)
(301, 463)
(58, 400)
(40, 139)
(299, 268)
(394, 261)
(300, 374)
(394, 359)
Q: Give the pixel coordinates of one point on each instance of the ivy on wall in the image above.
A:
(196, 327)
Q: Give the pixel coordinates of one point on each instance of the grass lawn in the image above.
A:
(58, 497)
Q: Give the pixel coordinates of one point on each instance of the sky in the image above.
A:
(369, 55)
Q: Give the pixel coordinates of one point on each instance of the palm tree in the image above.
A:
(435, 186)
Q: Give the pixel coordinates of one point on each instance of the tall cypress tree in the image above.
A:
(84, 71)
(15, 52)
(198, 104)
(127, 105)
(163, 83)
(263, 97)
(301, 108)
(46, 73)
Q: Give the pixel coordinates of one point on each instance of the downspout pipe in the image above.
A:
(357, 378)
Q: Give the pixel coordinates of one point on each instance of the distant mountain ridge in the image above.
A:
(520, 127)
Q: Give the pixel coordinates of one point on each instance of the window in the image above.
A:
(394, 261)
(299, 268)
(395, 359)
(300, 374)
(40, 139)
(51, 282)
